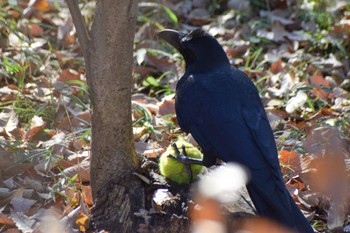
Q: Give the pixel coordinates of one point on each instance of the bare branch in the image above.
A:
(80, 26)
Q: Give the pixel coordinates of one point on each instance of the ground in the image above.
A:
(296, 53)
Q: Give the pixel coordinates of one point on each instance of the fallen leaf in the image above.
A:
(35, 30)
(276, 66)
(37, 124)
(18, 40)
(23, 222)
(290, 161)
(277, 15)
(321, 113)
(154, 153)
(238, 51)
(309, 199)
(82, 169)
(69, 75)
(13, 13)
(277, 34)
(295, 184)
(87, 195)
(319, 83)
(166, 107)
(43, 6)
(199, 16)
(337, 214)
(21, 204)
(282, 84)
(8, 120)
(7, 94)
(296, 102)
(78, 121)
(34, 184)
(5, 220)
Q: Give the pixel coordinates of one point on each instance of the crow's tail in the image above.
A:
(272, 200)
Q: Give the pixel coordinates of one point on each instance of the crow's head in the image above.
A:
(201, 51)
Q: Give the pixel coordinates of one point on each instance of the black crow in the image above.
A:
(220, 106)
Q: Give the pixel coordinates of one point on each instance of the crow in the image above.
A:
(221, 108)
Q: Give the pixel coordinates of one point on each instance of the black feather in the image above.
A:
(198, 33)
(220, 106)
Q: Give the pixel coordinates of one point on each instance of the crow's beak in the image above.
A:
(172, 37)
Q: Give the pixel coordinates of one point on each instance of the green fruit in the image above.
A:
(175, 170)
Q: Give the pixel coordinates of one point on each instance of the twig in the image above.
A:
(80, 26)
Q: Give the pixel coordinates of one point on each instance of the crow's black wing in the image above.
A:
(224, 113)
(224, 106)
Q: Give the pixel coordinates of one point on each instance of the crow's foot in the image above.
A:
(183, 158)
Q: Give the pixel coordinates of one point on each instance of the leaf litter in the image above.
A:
(297, 57)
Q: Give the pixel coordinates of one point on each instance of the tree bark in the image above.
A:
(108, 50)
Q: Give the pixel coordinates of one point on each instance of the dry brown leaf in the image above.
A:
(290, 160)
(321, 113)
(276, 66)
(82, 169)
(86, 195)
(12, 87)
(13, 13)
(300, 124)
(35, 30)
(5, 220)
(74, 159)
(78, 144)
(238, 51)
(70, 38)
(198, 16)
(37, 124)
(295, 183)
(69, 75)
(277, 34)
(166, 107)
(17, 134)
(80, 120)
(318, 80)
(43, 6)
(154, 153)
(161, 63)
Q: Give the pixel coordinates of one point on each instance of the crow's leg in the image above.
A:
(183, 158)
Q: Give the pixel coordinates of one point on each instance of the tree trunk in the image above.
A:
(108, 50)
(116, 191)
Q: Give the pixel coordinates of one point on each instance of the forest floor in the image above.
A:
(295, 52)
